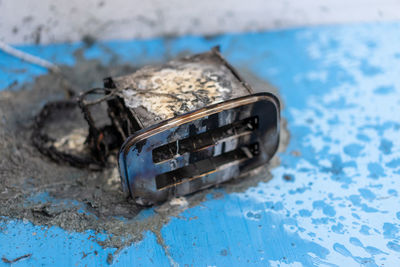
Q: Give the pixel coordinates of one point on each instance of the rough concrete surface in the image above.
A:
(48, 21)
(36, 189)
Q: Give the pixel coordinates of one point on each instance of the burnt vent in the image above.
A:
(204, 140)
(206, 166)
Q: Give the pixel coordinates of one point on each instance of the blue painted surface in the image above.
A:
(341, 89)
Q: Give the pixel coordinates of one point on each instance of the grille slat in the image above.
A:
(205, 166)
(204, 140)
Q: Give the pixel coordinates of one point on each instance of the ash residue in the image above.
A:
(36, 189)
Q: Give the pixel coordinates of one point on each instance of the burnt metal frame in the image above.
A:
(143, 191)
(125, 127)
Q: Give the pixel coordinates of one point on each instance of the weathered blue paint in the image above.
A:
(341, 90)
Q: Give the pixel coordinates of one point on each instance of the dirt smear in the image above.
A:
(36, 189)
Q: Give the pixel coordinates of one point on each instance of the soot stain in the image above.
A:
(46, 193)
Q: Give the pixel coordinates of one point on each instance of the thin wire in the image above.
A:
(29, 58)
(69, 87)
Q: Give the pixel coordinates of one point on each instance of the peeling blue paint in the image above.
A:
(353, 150)
(375, 170)
(365, 230)
(327, 209)
(374, 251)
(368, 69)
(340, 89)
(262, 229)
(386, 146)
(338, 228)
(383, 90)
(356, 242)
(367, 194)
(304, 213)
(393, 163)
(390, 230)
(345, 252)
(393, 246)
